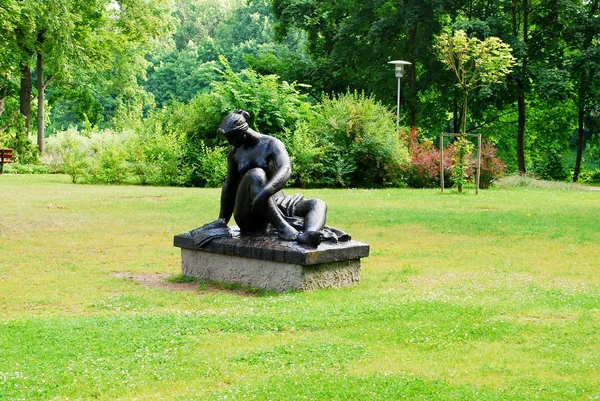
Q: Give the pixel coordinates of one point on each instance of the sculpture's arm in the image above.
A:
(229, 190)
(282, 170)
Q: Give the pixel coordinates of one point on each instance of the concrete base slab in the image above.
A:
(268, 275)
(268, 263)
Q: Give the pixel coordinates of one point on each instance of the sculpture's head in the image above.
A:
(234, 127)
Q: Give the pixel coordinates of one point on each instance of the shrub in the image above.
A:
(306, 156)
(462, 162)
(154, 156)
(68, 152)
(589, 176)
(359, 141)
(108, 158)
(423, 170)
(492, 167)
(213, 165)
(275, 107)
(18, 168)
(551, 165)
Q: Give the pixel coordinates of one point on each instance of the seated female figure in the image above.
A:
(258, 167)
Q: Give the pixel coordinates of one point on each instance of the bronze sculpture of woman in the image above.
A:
(258, 167)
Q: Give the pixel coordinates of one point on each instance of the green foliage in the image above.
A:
(182, 65)
(591, 160)
(68, 152)
(361, 146)
(492, 167)
(18, 168)
(475, 63)
(92, 53)
(461, 162)
(213, 165)
(306, 155)
(108, 158)
(155, 156)
(551, 165)
(14, 136)
(275, 107)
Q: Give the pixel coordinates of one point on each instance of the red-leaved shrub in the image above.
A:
(424, 168)
(492, 167)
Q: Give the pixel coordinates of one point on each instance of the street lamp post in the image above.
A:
(399, 64)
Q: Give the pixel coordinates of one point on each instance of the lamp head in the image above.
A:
(399, 64)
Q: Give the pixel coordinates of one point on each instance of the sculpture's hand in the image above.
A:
(260, 202)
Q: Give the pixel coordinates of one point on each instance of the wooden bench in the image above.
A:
(6, 156)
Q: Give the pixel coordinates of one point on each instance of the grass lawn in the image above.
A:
(488, 297)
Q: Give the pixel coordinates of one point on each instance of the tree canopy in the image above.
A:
(110, 63)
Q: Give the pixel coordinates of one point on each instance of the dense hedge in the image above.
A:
(348, 140)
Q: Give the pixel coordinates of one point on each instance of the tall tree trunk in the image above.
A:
(455, 114)
(412, 76)
(40, 111)
(3, 96)
(581, 101)
(577, 169)
(463, 119)
(521, 80)
(521, 129)
(25, 96)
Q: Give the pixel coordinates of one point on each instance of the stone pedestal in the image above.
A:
(269, 263)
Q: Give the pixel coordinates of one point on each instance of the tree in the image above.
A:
(584, 39)
(350, 43)
(475, 63)
(184, 64)
(73, 41)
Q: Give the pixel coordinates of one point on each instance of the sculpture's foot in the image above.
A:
(288, 234)
(310, 238)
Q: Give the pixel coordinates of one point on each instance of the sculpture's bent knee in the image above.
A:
(256, 176)
(318, 204)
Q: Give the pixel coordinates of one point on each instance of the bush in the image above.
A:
(306, 156)
(349, 140)
(68, 152)
(589, 176)
(551, 165)
(492, 167)
(360, 146)
(108, 159)
(17, 168)
(213, 165)
(155, 157)
(462, 162)
(423, 170)
(275, 107)
(100, 158)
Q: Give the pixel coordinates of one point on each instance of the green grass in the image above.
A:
(488, 297)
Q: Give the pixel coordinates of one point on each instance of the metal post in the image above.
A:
(478, 163)
(442, 161)
(399, 70)
(398, 107)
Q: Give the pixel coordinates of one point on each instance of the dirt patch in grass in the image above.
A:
(160, 281)
(157, 280)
